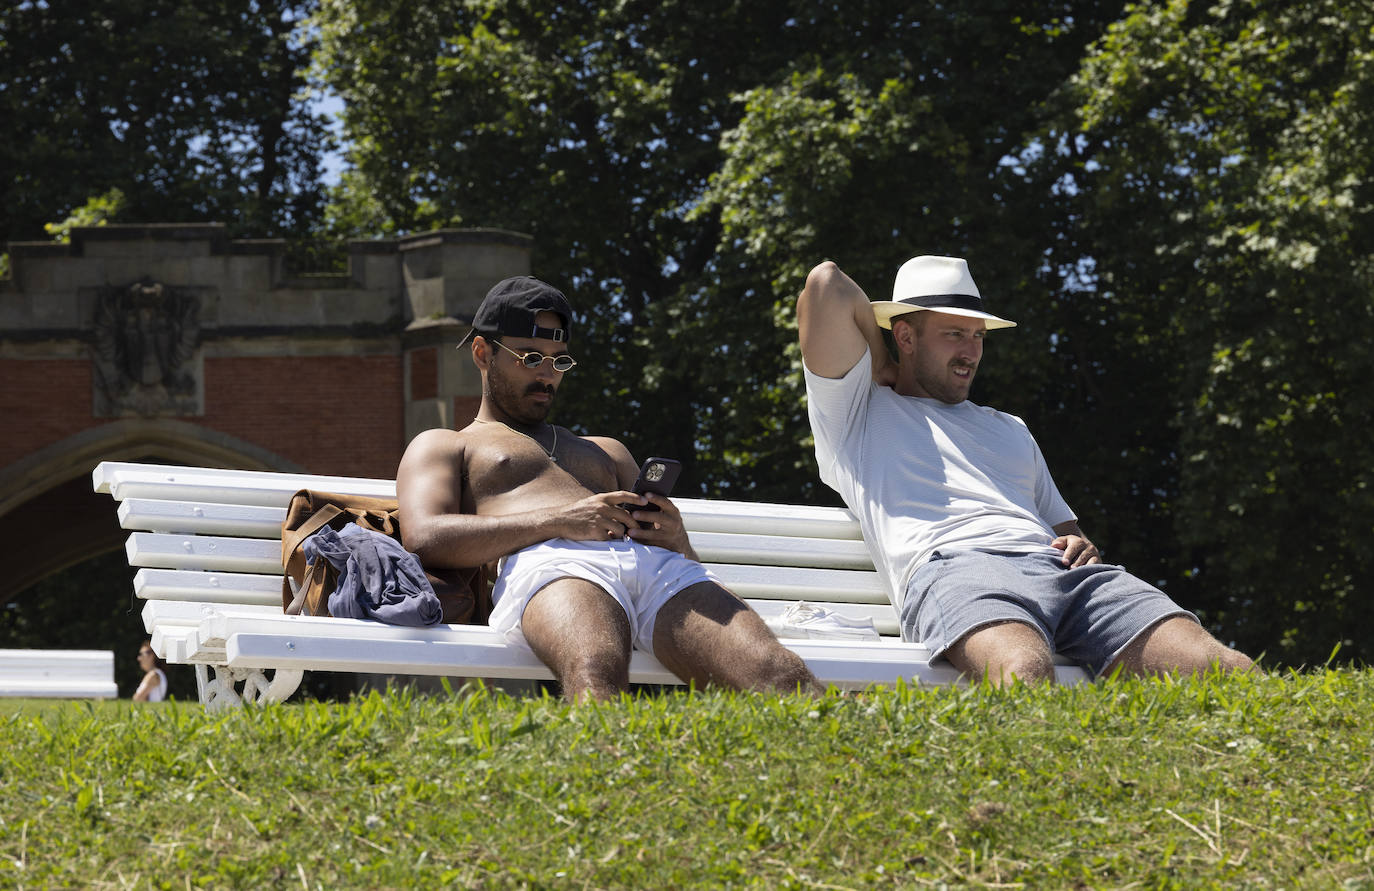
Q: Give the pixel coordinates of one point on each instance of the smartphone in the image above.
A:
(656, 475)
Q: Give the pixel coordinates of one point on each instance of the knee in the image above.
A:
(1229, 660)
(1025, 666)
(783, 671)
(593, 676)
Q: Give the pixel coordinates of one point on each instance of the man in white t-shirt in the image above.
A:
(980, 554)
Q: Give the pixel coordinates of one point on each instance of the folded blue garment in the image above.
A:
(378, 579)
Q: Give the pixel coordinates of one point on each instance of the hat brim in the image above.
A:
(885, 310)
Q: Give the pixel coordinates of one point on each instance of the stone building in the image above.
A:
(177, 344)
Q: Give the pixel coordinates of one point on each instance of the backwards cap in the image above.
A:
(513, 304)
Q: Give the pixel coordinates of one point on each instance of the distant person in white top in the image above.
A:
(153, 688)
(982, 558)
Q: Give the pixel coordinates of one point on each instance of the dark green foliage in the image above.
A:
(1222, 189)
(631, 139)
(195, 111)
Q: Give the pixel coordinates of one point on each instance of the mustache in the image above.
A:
(538, 388)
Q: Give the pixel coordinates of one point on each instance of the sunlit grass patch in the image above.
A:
(1214, 782)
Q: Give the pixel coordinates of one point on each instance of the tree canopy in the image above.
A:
(196, 112)
(1221, 175)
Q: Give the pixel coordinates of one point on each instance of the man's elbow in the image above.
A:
(815, 293)
(422, 542)
(820, 276)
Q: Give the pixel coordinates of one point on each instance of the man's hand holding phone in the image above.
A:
(656, 479)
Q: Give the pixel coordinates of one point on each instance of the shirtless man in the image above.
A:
(583, 579)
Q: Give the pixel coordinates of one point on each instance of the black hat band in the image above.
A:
(954, 301)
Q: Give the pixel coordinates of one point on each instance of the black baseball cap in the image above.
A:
(512, 305)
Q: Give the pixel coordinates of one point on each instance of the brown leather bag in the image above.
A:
(462, 593)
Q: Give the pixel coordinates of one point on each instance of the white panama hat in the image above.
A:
(941, 284)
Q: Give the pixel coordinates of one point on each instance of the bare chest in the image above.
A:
(507, 470)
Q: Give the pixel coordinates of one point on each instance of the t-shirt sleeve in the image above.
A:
(837, 408)
(1051, 506)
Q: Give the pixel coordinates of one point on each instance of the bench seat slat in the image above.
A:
(772, 550)
(262, 488)
(192, 613)
(264, 524)
(798, 583)
(172, 586)
(271, 489)
(839, 663)
(209, 552)
(783, 520)
(57, 674)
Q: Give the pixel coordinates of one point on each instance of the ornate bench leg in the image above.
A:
(284, 683)
(203, 684)
(220, 692)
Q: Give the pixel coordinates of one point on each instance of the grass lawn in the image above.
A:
(1213, 783)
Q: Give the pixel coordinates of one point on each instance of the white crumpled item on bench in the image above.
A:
(803, 619)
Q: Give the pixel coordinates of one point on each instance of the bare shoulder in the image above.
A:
(611, 446)
(625, 468)
(431, 473)
(439, 444)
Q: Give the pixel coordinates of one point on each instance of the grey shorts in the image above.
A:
(1086, 613)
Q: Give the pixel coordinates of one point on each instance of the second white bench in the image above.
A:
(58, 674)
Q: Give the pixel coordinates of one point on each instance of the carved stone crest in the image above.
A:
(147, 360)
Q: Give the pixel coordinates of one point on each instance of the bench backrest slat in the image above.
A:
(257, 522)
(208, 587)
(270, 489)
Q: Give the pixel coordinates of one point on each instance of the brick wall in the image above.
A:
(42, 401)
(340, 415)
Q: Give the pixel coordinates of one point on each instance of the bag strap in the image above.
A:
(315, 574)
(292, 540)
(293, 608)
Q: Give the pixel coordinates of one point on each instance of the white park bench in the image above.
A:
(58, 674)
(206, 544)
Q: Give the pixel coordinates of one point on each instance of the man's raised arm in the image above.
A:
(836, 322)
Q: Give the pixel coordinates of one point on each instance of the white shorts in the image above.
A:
(640, 577)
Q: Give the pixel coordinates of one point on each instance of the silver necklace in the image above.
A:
(549, 451)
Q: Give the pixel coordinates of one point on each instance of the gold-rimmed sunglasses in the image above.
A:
(534, 358)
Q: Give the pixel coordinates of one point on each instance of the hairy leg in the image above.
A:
(583, 635)
(1003, 652)
(707, 635)
(1178, 644)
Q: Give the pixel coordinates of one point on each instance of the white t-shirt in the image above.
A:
(158, 693)
(923, 476)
